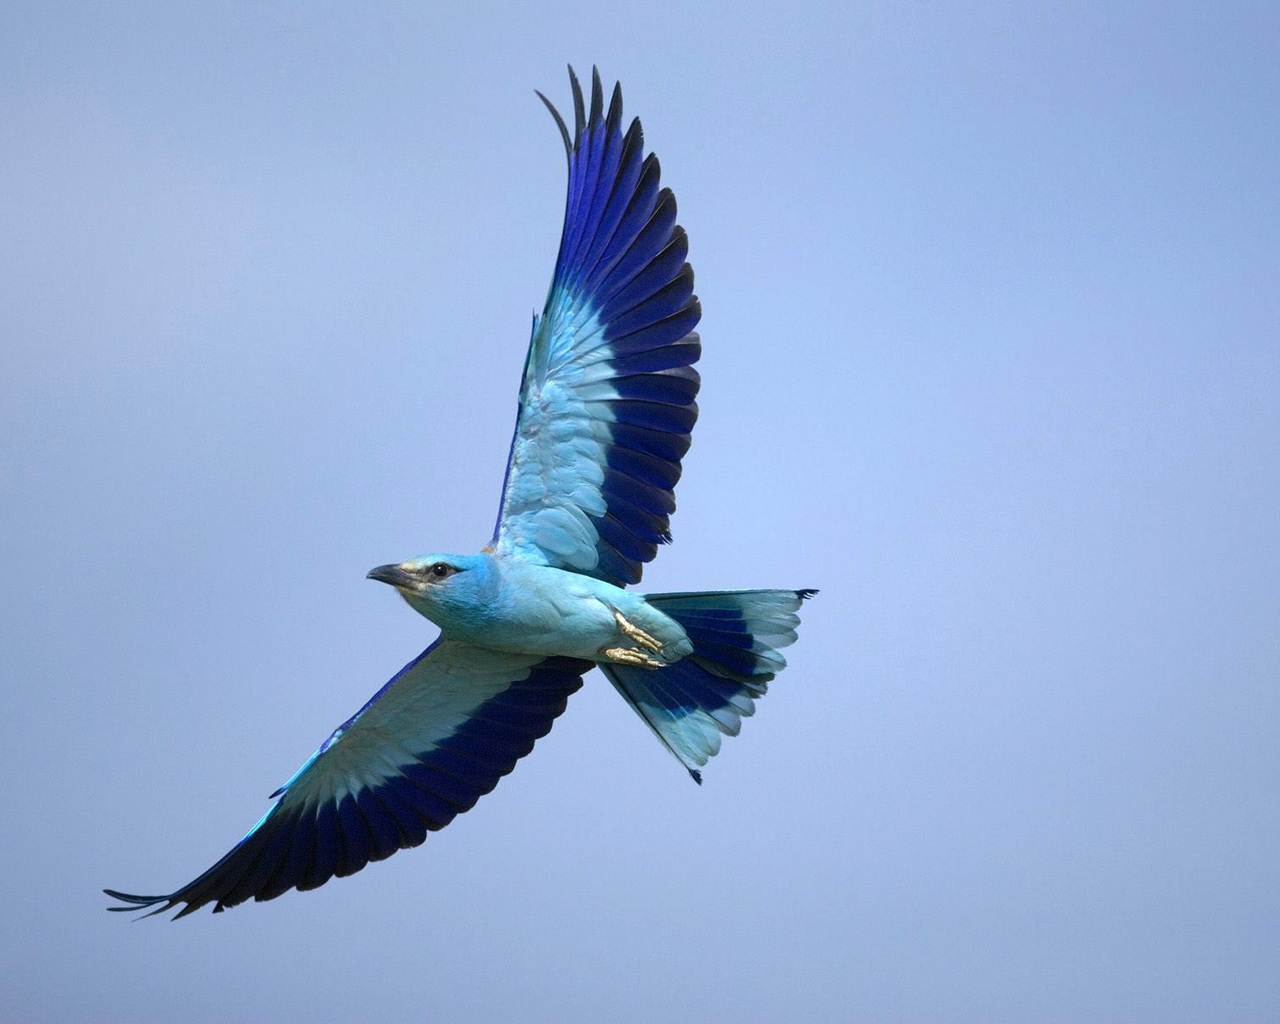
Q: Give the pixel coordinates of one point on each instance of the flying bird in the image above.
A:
(607, 404)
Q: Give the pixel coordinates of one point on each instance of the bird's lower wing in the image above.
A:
(424, 749)
(607, 401)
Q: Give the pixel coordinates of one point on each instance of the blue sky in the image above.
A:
(991, 356)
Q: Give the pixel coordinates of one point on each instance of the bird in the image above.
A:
(607, 403)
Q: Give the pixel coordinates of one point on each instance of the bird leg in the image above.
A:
(630, 656)
(633, 655)
(633, 632)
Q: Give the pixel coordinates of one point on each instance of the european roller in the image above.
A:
(607, 404)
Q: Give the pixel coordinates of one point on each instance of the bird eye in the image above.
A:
(440, 571)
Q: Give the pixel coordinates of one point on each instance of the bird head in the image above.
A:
(433, 585)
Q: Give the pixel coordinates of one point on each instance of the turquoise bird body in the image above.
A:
(607, 405)
(511, 604)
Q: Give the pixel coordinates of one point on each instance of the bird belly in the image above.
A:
(555, 612)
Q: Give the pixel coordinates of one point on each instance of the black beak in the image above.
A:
(392, 574)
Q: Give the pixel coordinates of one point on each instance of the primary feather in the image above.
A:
(608, 398)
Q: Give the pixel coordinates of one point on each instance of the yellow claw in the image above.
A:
(633, 632)
(630, 656)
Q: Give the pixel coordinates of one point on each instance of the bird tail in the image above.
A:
(736, 637)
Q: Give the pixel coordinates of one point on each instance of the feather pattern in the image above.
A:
(423, 750)
(608, 397)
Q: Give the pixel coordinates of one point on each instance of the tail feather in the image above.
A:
(736, 635)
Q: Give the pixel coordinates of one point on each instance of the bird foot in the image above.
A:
(630, 656)
(634, 632)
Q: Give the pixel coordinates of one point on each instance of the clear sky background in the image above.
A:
(992, 357)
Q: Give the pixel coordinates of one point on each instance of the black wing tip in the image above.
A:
(133, 902)
(695, 775)
(579, 111)
(128, 897)
(597, 97)
(584, 115)
(564, 128)
(806, 593)
(614, 118)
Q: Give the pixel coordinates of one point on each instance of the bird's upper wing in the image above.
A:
(425, 748)
(608, 396)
